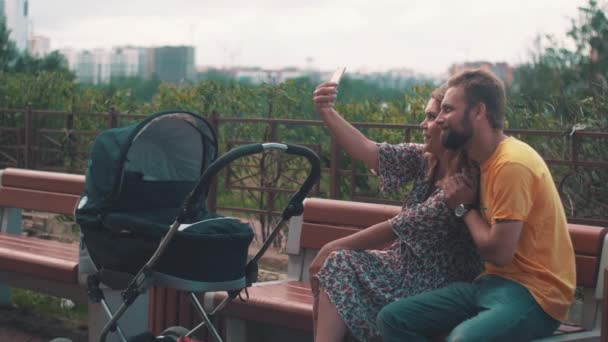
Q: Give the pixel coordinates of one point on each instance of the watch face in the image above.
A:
(459, 211)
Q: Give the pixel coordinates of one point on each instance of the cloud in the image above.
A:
(426, 35)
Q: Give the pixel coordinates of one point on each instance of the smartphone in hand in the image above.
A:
(335, 78)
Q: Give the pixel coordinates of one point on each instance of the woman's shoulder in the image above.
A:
(401, 148)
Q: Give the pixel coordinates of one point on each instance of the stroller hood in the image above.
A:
(168, 151)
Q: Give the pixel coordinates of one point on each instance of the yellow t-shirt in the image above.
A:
(516, 184)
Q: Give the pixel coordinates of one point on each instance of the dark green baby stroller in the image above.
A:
(144, 219)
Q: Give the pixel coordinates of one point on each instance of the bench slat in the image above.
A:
(587, 268)
(38, 200)
(282, 304)
(39, 265)
(45, 259)
(34, 244)
(343, 213)
(50, 251)
(587, 239)
(43, 181)
(316, 235)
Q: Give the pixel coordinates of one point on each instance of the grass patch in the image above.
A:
(47, 306)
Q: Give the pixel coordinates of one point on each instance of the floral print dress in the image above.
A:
(433, 248)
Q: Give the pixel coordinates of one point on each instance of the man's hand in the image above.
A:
(459, 189)
(324, 97)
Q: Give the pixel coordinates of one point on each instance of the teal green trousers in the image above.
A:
(489, 309)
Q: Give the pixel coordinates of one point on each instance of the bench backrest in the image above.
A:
(40, 190)
(325, 220)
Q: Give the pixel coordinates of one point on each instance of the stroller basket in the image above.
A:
(144, 220)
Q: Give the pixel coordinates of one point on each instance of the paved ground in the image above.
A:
(19, 325)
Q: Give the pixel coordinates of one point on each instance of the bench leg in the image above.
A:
(5, 296)
(236, 330)
(133, 322)
(10, 223)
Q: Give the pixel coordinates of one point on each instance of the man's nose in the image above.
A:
(423, 124)
(440, 119)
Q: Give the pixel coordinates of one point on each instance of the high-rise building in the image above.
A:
(124, 62)
(146, 62)
(93, 66)
(16, 14)
(39, 46)
(170, 64)
(71, 56)
(174, 63)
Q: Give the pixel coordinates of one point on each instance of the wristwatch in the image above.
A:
(462, 209)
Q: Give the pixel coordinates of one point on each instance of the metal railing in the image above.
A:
(59, 141)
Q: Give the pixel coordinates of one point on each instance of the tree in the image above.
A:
(53, 62)
(567, 83)
(8, 49)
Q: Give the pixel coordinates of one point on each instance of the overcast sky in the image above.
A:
(424, 35)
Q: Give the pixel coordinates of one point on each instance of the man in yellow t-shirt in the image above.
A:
(518, 224)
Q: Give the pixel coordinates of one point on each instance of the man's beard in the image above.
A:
(452, 139)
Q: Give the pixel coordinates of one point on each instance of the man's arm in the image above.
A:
(496, 243)
(351, 139)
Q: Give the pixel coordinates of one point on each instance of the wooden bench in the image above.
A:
(283, 310)
(46, 266)
(27, 262)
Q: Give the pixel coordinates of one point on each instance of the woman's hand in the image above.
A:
(324, 97)
(459, 189)
(317, 263)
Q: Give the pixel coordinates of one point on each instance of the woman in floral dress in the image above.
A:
(431, 246)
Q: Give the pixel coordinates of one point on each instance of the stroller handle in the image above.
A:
(295, 206)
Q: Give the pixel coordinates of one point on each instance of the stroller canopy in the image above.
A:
(168, 151)
(137, 179)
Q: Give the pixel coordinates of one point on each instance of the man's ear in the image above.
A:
(480, 111)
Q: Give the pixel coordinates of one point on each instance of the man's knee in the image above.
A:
(394, 318)
(390, 318)
(385, 318)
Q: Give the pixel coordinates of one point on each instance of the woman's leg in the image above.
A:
(329, 327)
(315, 314)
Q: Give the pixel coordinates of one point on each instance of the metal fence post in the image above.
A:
(112, 117)
(334, 170)
(27, 126)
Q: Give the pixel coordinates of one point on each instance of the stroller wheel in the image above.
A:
(175, 332)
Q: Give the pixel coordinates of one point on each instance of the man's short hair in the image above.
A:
(483, 86)
(439, 93)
